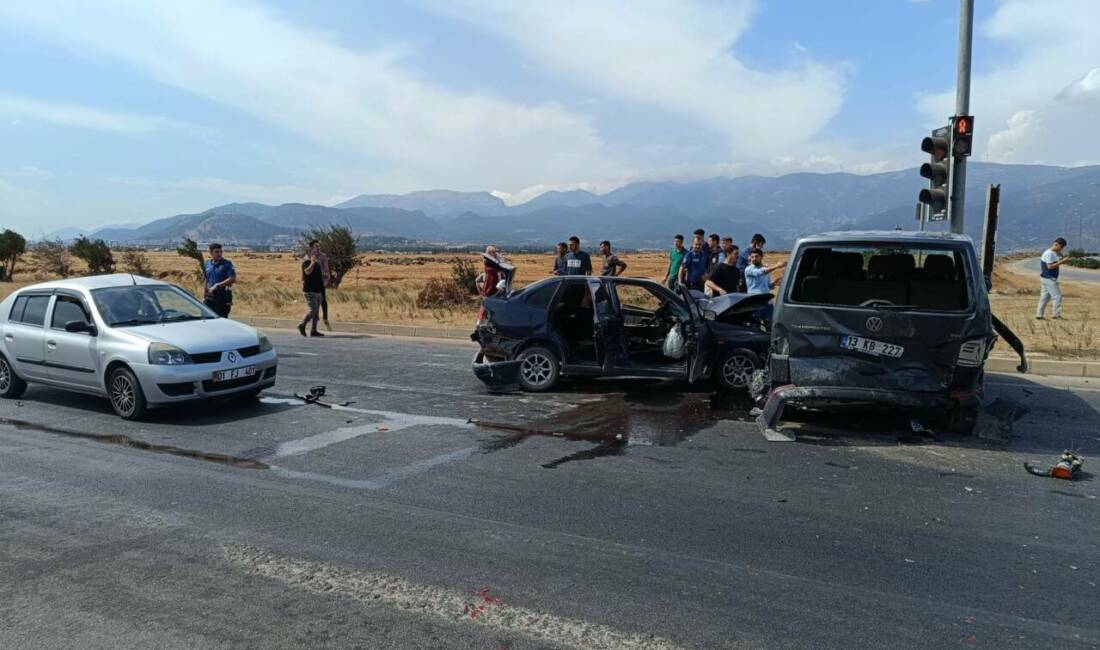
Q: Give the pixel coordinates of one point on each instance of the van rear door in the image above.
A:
(884, 314)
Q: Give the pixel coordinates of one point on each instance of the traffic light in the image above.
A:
(936, 171)
(962, 135)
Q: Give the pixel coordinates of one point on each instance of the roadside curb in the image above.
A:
(993, 364)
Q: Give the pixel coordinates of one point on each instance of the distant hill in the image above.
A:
(1038, 203)
(433, 203)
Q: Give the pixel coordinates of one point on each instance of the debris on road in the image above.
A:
(1067, 467)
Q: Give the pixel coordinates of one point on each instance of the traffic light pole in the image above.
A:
(956, 211)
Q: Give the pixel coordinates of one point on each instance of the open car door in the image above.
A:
(607, 325)
(697, 336)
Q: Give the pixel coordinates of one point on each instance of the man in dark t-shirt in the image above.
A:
(313, 286)
(577, 262)
(612, 265)
(725, 277)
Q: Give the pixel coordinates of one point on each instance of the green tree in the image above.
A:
(52, 258)
(95, 253)
(12, 247)
(190, 248)
(341, 247)
(134, 260)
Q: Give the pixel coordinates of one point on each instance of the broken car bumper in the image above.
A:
(498, 376)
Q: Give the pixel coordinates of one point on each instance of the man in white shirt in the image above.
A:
(1049, 263)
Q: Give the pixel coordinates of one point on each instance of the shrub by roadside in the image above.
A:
(442, 293)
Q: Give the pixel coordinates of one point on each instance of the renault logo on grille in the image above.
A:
(874, 324)
(232, 356)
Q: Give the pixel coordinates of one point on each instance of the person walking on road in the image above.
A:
(612, 265)
(559, 261)
(313, 286)
(577, 262)
(219, 276)
(693, 269)
(675, 259)
(1049, 263)
(322, 259)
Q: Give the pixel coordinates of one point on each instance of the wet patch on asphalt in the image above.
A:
(638, 417)
(127, 441)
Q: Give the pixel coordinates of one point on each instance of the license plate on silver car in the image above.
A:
(236, 373)
(871, 346)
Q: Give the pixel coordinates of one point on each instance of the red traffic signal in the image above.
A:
(962, 135)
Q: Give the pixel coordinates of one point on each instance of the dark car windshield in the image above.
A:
(144, 304)
(885, 276)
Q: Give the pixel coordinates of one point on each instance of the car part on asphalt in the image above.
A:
(1068, 467)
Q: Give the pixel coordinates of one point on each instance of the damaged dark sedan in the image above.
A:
(613, 326)
(899, 320)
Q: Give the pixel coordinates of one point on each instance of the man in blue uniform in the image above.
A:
(220, 276)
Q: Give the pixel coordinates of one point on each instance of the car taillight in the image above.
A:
(971, 353)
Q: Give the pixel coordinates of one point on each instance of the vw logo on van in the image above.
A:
(231, 357)
(874, 324)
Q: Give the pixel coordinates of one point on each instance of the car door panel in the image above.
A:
(70, 356)
(25, 341)
(700, 342)
(607, 326)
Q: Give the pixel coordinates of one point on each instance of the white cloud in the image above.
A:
(20, 109)
(1038, 100)
(673, 54)
(363, 105)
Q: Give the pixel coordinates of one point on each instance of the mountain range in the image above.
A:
(1038, 203)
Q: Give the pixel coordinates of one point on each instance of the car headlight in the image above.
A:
(162, 354)
(265, 343)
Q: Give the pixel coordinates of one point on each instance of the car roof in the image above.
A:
(94, 282)
(900, 236)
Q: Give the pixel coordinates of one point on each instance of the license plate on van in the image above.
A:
(236, 373)
(871, 346)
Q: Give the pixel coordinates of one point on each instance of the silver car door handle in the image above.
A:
(9, 338)
(51, 345)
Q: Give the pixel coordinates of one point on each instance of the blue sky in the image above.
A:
(118, 112)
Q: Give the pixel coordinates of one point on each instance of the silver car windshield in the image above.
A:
(145, 304)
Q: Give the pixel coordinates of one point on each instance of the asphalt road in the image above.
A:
(618, 514)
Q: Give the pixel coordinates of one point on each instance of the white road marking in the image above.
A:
(386, 479)
(477, 608)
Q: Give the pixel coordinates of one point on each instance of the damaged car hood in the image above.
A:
(735, 303)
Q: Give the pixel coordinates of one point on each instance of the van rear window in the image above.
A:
(930, 279)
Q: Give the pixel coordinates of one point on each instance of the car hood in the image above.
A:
(195, 336)
(735, 303)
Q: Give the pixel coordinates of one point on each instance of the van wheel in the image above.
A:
(11, 386)
(735, 369)
(538, 369)
(127, 398)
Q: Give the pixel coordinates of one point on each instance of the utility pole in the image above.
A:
(962, 107)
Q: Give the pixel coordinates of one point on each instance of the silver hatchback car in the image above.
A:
(140, 342)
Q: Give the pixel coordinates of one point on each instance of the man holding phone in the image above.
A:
(313, 287)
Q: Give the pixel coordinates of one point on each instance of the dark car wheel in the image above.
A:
(734, 370)
(538, 369)
(127, 398)
(11, 386)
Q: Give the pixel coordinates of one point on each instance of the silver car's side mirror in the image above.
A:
(79, 326)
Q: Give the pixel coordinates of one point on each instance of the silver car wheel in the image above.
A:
(737, 371)
(122, 395)
(537, 369)
(5, 375)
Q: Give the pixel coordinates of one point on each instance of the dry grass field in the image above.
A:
(384, 290)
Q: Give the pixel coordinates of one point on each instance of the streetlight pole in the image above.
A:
(962, 107)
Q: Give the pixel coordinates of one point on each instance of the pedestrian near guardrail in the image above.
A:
(313, 286)
(219, 276)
